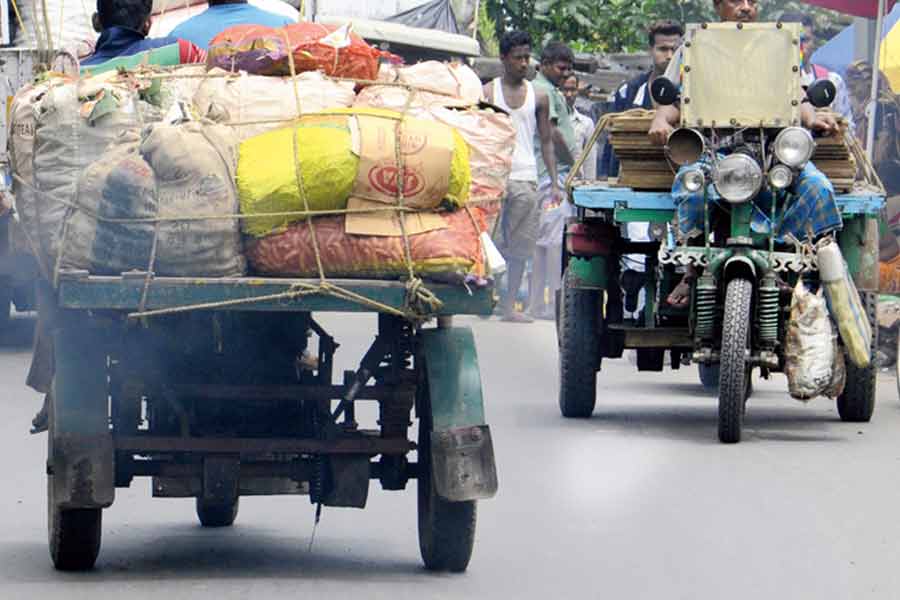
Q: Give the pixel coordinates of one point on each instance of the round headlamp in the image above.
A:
(693, 180)
(780, 177)
(738, 178)
(794, 147)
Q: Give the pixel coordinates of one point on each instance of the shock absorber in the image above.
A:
(768, 311)
(706, 308)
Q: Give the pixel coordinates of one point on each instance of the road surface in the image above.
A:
(640, 501)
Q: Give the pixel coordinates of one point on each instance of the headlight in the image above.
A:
(794, 147)
(738, 178)
(693, 180)
(780, 177)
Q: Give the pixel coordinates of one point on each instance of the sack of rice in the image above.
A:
(489, 134)
(75, 124)
(448, 84)
(253, 104)
(349, 153)
(451, 252)
(181, 174)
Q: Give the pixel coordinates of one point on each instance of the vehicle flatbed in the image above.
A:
(80, 290)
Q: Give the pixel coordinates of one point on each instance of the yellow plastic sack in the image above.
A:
(326, 146)
(845, 304)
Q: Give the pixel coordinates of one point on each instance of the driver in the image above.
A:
(813, 208)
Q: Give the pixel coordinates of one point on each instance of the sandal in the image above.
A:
(41, 420)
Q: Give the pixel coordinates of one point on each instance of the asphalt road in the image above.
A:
(639, 502)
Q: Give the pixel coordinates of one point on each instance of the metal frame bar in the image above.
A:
(367, 443)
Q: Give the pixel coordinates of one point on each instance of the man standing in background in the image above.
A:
(557, 60)
(584, 129)
(546, 268)
(665, 38)
(529, 110)
(221, 15)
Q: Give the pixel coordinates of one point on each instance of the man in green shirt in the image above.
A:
(556, 66)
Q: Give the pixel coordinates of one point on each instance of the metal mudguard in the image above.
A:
(587, 273)
(462, 451)
(81, 457)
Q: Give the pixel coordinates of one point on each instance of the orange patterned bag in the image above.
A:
(261, 50)
(449, 254)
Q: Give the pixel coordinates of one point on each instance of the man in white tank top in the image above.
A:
(529, 110)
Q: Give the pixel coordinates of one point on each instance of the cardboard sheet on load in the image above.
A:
(387, 223)
(426, 148)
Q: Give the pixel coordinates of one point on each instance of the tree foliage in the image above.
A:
(620, 25)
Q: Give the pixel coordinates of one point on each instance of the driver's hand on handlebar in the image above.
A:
(660, 130)
(824, 124)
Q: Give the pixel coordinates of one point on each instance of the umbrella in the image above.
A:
(859, 8)
(837, 54)
(890, 56)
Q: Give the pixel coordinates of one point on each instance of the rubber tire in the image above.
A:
(73, 536)
(709, 376)
(857, 402)
(733, 368)
(579, 350)
(217, 515)
(446, 529)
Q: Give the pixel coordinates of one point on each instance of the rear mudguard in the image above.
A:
(80, 461)
(462, 452)
(587, 273)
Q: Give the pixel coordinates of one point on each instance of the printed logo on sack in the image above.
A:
(412, 142)
(384, 179)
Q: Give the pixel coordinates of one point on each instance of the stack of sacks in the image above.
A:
(160, 86)
(254, 104)
(23, 115)
(183, 170)
(310, 46)
(75, 123)
(59, 126)
(453, 99)
(347, 160)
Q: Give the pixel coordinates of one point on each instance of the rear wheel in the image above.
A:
(217, 514)
(857, 403)
(73, 535)
(446, 529)
(579, 349)
(734, 368)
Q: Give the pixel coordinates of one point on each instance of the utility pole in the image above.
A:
(864, 38)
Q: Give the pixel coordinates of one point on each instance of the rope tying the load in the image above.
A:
(420, 303)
